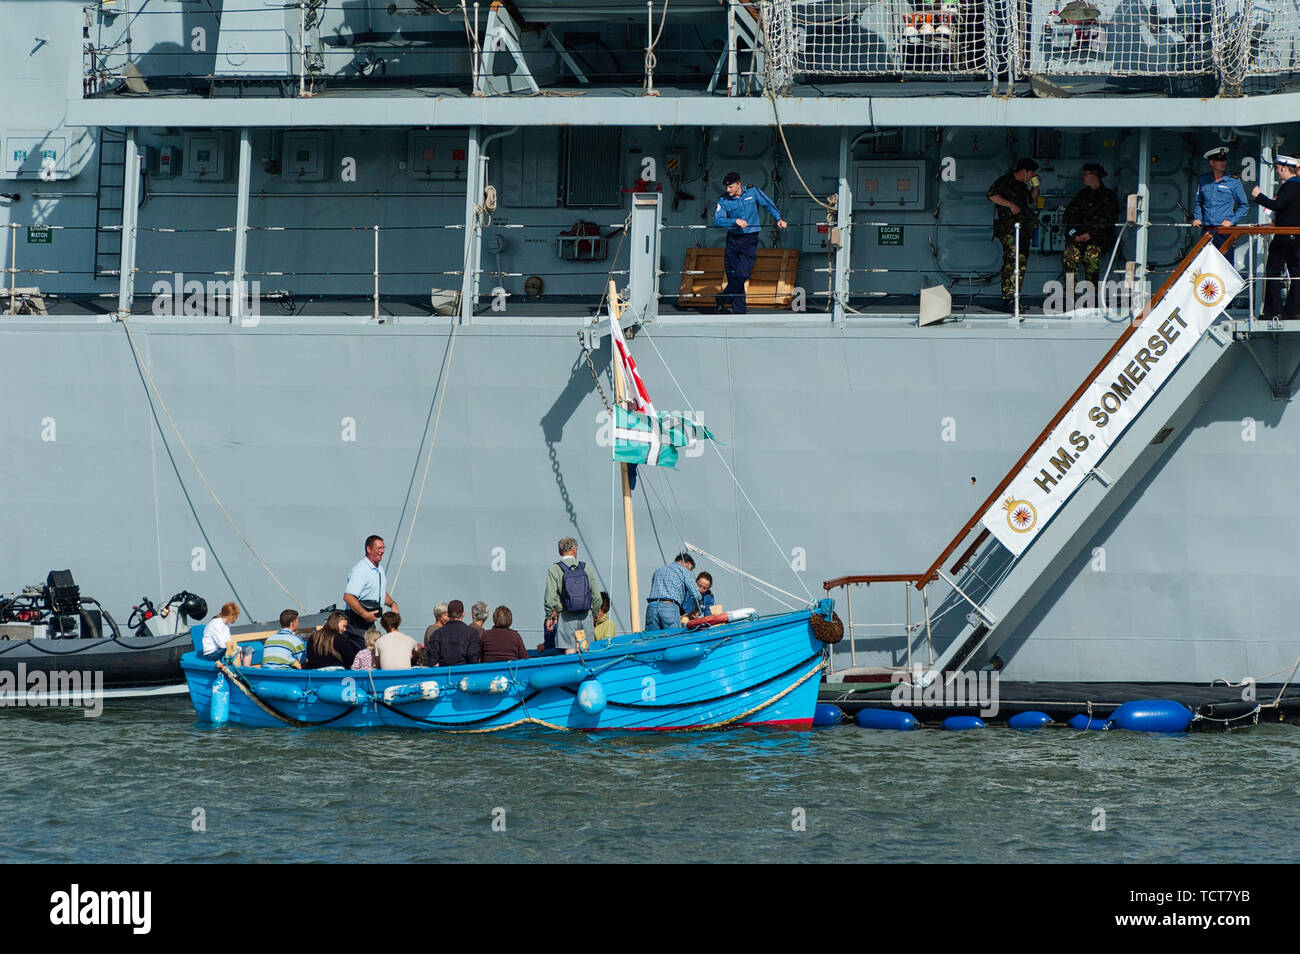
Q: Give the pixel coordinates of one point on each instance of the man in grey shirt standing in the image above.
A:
(570, 609)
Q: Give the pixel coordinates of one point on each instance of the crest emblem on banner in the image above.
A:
(1208, 288)
(1021, 515)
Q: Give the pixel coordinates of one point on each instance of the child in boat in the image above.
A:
(365, 659)
(705, 583)
(286, 649)
(216, 634)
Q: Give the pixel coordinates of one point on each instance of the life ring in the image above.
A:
(704, 621)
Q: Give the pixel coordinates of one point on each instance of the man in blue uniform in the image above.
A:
(737, 212)
(1220, 198)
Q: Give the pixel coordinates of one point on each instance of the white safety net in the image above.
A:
(1256, 38)
(849, 38)
(1232, 39)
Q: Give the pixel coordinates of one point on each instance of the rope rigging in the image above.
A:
(153, 386)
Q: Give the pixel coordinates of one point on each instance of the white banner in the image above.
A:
(1115, 398)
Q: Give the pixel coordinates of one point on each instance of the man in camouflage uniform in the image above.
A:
(1090, 224)
(1015, 196)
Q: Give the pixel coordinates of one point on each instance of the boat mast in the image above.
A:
(629, 531)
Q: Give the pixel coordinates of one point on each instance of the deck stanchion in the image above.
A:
(853, 647)
(13, 267)
(1016, 266)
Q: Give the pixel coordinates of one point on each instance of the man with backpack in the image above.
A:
(570, 588)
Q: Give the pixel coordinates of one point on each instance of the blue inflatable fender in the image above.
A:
(281, 692)
(1029, 720)
(552, 677)
(826, 714)
(687, 653)
(962, 723)
(345, 693)
(886, 719)
(1096, 723)
(1152, 715)
(482, 682)
(219, 702)
(591, 696)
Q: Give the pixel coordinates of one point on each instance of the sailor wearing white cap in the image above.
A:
(1284, 250)
(1220, 198)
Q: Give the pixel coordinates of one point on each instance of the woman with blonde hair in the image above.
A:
(322, 648)
(216, 633)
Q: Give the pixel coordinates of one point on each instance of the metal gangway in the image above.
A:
(994, 582)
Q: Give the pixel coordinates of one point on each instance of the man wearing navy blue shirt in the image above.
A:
(737, 212)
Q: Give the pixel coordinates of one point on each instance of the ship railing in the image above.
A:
(384, 263)
(483, 47)
(882, 633)
(24, 291)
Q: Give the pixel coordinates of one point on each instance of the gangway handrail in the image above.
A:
(871, 578)
(1233, 232)
(1059, 416)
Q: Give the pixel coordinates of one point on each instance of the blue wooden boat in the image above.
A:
(762, 671)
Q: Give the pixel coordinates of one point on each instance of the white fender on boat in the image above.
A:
(412, 692)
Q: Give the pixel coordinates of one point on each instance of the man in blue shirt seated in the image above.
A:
(737, 212)
(286, 649)
(670, 588)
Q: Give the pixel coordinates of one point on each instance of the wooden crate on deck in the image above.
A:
(771, 285)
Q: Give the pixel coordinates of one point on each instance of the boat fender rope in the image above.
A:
(240, 683)
(699, 702)
(434, 722)
(828, 631)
